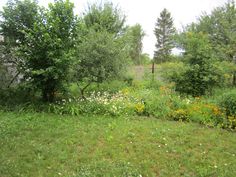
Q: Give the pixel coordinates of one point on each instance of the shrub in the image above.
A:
(180, 115)
(201, 75)
(226, 70)
(170, 70)
(228, 104)
(14, 96)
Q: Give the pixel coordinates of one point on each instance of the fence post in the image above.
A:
(153, 70)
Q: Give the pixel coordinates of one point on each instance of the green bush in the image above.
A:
(14, 96)
(198, 80)
(179, 115)
(226, 70)
(170, 70)
(228, 104)
(201, 75)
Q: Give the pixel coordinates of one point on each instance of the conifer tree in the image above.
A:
(164, 31)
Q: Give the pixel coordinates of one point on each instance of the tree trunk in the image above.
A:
(13, 79)
(153, 70)
(83, 89)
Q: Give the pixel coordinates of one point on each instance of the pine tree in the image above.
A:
(164, 31)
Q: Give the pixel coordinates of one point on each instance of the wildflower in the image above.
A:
(139, 108)
(188, 101)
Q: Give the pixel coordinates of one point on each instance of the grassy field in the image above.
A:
(33, 145)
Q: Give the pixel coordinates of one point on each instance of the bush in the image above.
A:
(170, 70)
(15, 96)
(201, 75)
(228, 104)
(180, 115)
(197, 80)
(226, 70)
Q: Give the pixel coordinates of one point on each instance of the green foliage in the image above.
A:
(202, 75)
(16, 96)
(171, 70)
(164, 32)
(180, 115)
(105, 61)
(226, 70)
(5, 76)
(100, 103)
(103, 37)
(220, 26)
(47, 53)
(228, 104)
(135, 36)
(105, 17)
(145, 59)
(18, 16)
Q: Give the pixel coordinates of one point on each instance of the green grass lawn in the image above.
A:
(33, 145)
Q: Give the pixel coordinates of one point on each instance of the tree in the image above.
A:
(220, 27)
(47, 50)
(134, 39)
(105, 17)
(164, 31)
(16, 17)
(200, 75)
(101, 51)
(101, 57)
(5, 76)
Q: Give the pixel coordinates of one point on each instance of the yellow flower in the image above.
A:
(125, 91)
(139, 107)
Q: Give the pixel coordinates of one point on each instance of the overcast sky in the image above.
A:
(145, 12)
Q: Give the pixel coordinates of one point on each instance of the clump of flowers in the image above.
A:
(104, 103)
(180, 115)
(139, 108)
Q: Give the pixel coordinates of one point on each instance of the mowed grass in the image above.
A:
(33, 145)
